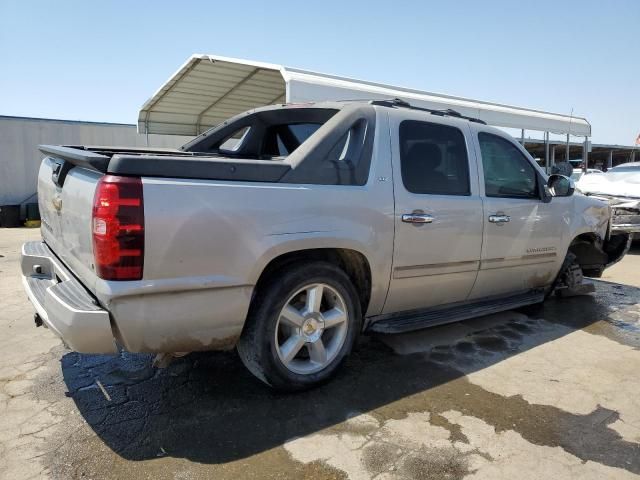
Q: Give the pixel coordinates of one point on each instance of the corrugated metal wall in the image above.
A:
(20, 158)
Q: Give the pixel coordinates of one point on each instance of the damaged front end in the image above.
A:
(594, 254)
(623, 227)
(617, 246)
(625, 214)
(607, 240)
(622, 192)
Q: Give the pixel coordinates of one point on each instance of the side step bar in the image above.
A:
(416, 320)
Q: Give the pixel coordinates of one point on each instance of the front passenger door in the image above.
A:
(521, 232)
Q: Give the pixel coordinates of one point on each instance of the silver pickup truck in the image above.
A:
(288, 230)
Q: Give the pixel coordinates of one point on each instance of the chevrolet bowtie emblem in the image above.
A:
(57, 203)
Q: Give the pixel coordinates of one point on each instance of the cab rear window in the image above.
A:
(282, 140)
(262, 135)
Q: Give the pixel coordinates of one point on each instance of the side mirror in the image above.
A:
(560, 186)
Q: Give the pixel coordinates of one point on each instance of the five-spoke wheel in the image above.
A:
(311, 328)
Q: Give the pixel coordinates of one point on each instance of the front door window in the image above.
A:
(507, 172)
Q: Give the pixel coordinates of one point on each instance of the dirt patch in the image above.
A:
(434, 464)
(379, 457)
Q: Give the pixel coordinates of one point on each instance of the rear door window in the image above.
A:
(433, 159)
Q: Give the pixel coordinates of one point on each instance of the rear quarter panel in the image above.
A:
(228, 231)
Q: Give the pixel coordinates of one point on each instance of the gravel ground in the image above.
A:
(550, 395)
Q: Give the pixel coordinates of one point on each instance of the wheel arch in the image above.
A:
(354, 263)
(594, 254)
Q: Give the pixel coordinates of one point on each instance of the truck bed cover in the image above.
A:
(172, 164)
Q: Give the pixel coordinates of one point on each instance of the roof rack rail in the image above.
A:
(398, 102)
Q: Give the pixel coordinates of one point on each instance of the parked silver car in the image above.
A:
(288, 230)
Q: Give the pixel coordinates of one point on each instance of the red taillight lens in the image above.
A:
(118, 228)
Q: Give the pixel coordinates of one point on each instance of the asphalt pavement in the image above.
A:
(553, 393)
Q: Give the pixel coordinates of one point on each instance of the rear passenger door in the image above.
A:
(521, 231)
(438, 212)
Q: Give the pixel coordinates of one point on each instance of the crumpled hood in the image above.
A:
(617, 203)
(625, 185)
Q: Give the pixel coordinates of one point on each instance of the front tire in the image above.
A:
(301, 326)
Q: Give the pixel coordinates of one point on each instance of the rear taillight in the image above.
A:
(118, 228)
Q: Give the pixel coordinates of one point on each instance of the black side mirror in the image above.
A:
(560, 186)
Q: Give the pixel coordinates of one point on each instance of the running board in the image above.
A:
(416, 320)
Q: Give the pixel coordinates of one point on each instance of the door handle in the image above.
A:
(499, 218)
(417, 218)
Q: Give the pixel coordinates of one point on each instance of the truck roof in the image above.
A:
(390, 103)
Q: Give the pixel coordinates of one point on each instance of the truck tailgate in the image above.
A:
(65, 197)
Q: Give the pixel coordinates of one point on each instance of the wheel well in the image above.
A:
(353, 263)
(587, 248)
(585, 237)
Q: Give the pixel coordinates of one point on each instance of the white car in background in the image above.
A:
(582, 178)
(579, 174)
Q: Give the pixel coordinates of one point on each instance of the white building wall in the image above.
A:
(20, 157)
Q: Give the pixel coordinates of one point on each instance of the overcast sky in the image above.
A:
(99, 61)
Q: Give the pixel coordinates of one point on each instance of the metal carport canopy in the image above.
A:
(208, 89)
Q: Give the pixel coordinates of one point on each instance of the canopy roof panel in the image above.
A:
(208, 89)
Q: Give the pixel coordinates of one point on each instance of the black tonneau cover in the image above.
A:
(207, 168)
(168, 164)
(75, 156)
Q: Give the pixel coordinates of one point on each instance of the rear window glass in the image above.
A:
(267, 134)
(282, 140)
(433, 159)
(302, 131)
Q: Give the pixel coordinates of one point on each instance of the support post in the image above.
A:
(585, 154)
(610, 160)
(546, 152)
(552, 159)
(633, 155)
(566, 157)
(522, 137)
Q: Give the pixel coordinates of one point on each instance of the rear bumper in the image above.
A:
(64, 305)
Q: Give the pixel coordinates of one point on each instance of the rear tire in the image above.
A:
(301, 326)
